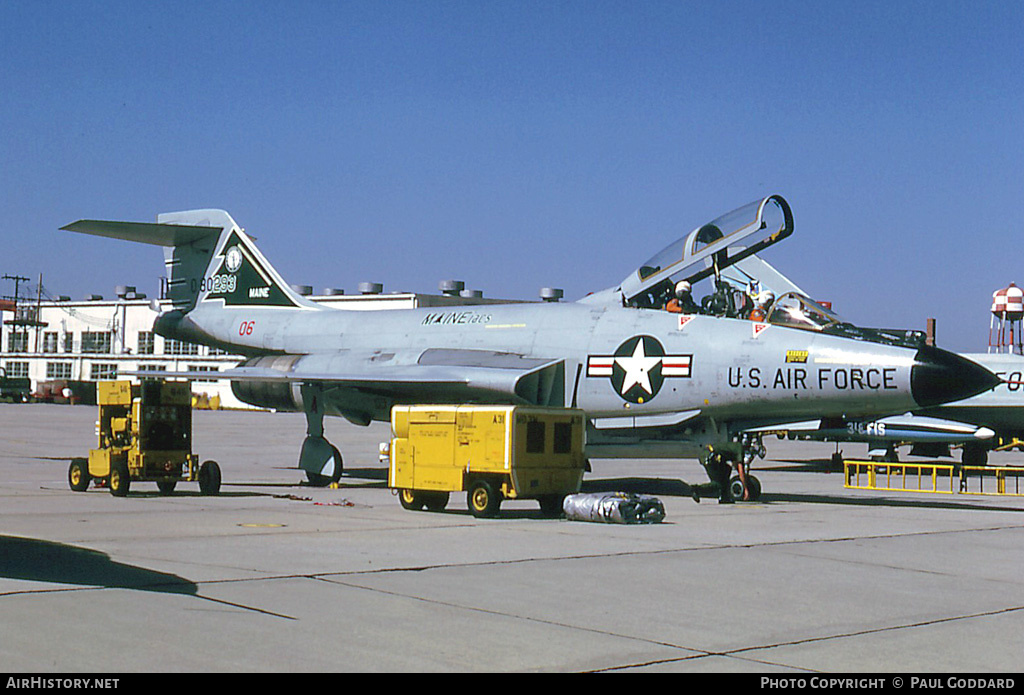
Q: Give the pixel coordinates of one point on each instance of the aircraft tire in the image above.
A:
(339, 465)
(166, 487)
(753, 486)
(209, 478)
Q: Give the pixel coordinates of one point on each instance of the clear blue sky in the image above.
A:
(515, 145)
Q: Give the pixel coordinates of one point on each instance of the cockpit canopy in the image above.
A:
(710, 249)
(745, 286)
(798, 311)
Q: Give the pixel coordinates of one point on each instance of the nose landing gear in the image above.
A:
(719, 465)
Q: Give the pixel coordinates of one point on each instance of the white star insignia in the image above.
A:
(637, 369)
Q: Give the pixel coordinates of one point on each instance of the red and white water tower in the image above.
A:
(1004, 331)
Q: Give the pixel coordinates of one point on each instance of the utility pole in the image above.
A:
(18, 279)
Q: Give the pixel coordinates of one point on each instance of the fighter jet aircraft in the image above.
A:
(1000, 409)
(977, 425)
(653, 383)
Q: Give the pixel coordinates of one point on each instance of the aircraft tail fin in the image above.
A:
(209, 258)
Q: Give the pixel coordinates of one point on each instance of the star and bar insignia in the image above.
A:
(639, 367)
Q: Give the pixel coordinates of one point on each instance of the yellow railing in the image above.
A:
(1007, 444)
(941, 478)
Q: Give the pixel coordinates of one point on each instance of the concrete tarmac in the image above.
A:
(272, 575)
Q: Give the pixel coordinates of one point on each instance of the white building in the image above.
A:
(54, 342)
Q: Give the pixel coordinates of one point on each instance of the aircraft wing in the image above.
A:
(440, 375)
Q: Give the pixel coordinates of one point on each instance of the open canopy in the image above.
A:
(711, 248)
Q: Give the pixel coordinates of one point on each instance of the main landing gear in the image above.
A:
(319, 458)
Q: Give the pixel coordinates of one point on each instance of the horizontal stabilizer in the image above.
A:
(168, 235)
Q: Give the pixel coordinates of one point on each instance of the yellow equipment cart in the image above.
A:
(491, 452)
(145, 433)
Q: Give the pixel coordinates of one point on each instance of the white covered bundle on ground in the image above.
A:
(614, 508)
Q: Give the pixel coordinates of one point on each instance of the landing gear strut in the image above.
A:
(745, 486)
(319, 458)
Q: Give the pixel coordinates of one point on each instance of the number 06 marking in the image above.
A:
(246, 327)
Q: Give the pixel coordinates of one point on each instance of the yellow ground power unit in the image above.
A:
(145, 433)
(491, 452)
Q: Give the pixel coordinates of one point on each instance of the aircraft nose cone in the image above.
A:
(939, 376)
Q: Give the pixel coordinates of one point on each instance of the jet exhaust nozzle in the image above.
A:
(939, 376)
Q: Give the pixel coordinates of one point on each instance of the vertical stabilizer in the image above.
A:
(233, 273)
(209, 259)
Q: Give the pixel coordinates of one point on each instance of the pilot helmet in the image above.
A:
(765, 297)
(683, 287)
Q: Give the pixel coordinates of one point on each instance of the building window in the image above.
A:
(203, 368)
(152, 367)
(147, 343)
(17, 341)
(16, 370)
(96, 341)
(180, 347)
(58, 370)
(69, 342)
(99, 371)
(49, 342)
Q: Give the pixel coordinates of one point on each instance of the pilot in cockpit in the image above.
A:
(682, 302)
(762, 305)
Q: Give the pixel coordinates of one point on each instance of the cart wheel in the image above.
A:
(119, 480)
(551, 505)
(410, 499)
(78, 475)
(166, 486)
(209, 478)
(483, 499)
(437, 501)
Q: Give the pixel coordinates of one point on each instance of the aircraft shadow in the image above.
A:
(667, 487)
(885, 502)
(368, 473)
(37, 560)
(806, 466)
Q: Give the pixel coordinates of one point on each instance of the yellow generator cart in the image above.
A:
(145, 433)
(491, 452)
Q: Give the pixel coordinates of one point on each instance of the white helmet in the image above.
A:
(765, 297)
(683, 287)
